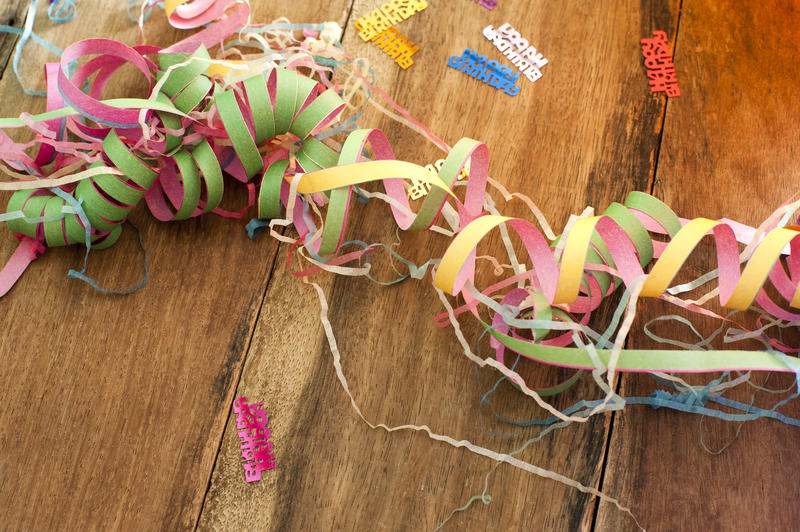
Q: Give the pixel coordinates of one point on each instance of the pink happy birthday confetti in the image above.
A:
(253, 438)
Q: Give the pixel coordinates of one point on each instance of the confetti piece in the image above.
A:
(386, 16)
(419, 189)
(517, 49)
(501, 77)
(251, 420)
(396, 46)
(660, 68)
(488, 4)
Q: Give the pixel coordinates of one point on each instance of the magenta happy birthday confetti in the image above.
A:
(253, 438)
(488, 4)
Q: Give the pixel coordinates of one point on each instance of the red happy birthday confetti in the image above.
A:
(660, 68)
(254, 438)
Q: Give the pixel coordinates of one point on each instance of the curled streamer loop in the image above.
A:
(173, 148)
(187, 14)
(179, 176)
(262, 125)
(618, 241)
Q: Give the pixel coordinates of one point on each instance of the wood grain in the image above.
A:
(586, 133)
(114, 406)
(11, 14)
(730, 149)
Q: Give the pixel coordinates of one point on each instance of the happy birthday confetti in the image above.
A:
(522, 55)
(386, 16)
(256, 449)
(396, 46)
(660, 67)
(489, 71)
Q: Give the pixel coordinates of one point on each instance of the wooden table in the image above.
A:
(117, 408)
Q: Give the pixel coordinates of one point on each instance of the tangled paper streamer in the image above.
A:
(264, 123)
(172, 148)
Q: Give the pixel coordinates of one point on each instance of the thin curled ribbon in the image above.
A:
(188, 14)
(173, 147)
(619, 239)
(180, 176)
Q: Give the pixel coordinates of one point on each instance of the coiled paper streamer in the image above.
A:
(198, 128)
(204, 117)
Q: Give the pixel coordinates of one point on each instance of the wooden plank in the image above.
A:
(584, 134)
(729, 150)
(114, 406)
(12, 13)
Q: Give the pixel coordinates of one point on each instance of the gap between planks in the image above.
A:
(238, 375)
(6, 50)
(651, 189)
